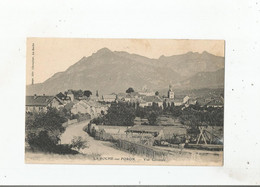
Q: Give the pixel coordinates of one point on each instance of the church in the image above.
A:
(176, 99)
(170, 92)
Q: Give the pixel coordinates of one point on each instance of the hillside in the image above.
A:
(205, 80)
(109, 72)
(191, 63)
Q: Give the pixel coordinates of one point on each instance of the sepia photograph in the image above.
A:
(124, 101)
(130, 92)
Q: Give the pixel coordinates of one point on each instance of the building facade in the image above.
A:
(38, 103)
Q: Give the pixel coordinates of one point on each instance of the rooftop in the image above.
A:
(155, 99)
(41, 100)
(111, 96)
(170, 130)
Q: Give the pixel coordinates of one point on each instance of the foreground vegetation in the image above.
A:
(43, 131)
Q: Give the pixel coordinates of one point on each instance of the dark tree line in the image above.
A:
(123, 114)
(80, 93)
(118, 114)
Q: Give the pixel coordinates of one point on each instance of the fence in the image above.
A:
(136, 148)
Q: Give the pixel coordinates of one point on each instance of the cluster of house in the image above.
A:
(83, 105)
(95, 105)
(148, 98)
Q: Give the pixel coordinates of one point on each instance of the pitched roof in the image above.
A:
(167, 130)
(62, 96)
(111, 96)
(41, 100)
(133, 94)
(152, 99)
(145, 128)
(91, 103)
(179, 96)
(69, 105)
(121, 94)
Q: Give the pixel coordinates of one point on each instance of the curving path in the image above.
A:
(102, 148)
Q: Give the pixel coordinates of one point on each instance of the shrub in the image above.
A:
(41, 142)
(43, 131)
(78, 143)
(97, 121)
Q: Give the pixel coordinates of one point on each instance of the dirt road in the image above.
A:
(95, 147)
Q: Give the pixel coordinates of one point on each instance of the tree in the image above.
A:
(176, 111)
(172, 107)
(120, 114)
(141, 112)
(97, 121)
(77, 93)
(87, 93)
(157, 93)
(210, 116)
(41, 141)
(155, 106)
(129, 90)
(152, 118)
(44, 127)
(164, 105)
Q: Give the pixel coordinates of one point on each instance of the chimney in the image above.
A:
(34, 97)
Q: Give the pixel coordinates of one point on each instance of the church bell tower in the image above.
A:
(170, 93)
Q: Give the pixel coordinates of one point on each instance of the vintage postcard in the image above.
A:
(124, 101)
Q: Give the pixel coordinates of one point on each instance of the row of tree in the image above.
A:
(80, 93)
(123, 114)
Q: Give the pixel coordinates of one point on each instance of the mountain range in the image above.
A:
(114, 71)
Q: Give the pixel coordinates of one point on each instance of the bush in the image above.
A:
(41, 142)
(43, 131)
(78, 143)
(97, 121)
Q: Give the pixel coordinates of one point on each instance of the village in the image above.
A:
(141, 122)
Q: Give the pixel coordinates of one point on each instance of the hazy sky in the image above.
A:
(52, 55)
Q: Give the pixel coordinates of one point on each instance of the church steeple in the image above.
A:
(170, 92)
